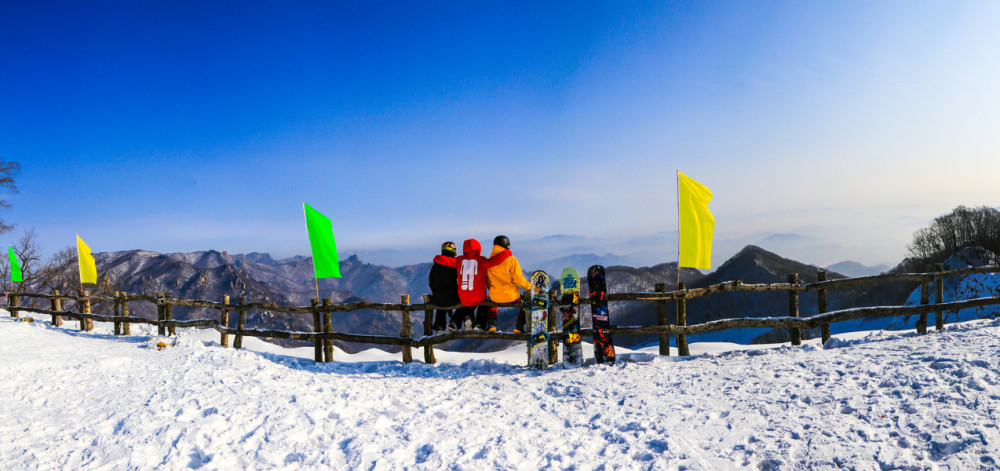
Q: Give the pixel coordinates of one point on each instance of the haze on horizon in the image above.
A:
(182, 126)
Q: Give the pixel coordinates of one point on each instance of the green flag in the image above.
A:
(324, 248)
(15, 268)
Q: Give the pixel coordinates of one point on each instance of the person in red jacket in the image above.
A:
(472, 268)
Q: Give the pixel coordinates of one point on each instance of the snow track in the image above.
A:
(74, 400)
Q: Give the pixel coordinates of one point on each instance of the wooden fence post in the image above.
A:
(661, 318)
(12, 304)
(317, 327)
(428, 327)
(925, 298)
(114, 313)
(793, 308)
(160, 328)
(85, 324)
(79, 308)
(939, 296)
(126, 326)
(56, 306)
(224, 321)
(553, 328)
(822, 307)
(168, 313)
(406, 332)
(241, 321)
(682, 342)
(327, 327)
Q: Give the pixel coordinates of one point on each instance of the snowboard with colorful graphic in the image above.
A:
(604, 347)
(569, 294)
(538, 344)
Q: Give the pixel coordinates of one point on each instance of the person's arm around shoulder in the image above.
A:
(496, 259)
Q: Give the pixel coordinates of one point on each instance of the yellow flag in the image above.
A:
(88, 269)
(697, 225)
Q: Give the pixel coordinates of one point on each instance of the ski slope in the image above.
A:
(72, 400)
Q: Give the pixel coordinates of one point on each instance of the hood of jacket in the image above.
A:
(471, 248)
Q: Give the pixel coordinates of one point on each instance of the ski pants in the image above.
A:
(485, 316)
(462, 313)
(441, 318)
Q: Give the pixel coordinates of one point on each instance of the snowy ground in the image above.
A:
(72, 400)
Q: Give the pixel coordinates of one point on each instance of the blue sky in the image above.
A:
(181, 126)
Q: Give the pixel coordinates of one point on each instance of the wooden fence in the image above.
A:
(323, 334)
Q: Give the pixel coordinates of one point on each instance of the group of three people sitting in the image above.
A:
(465, 281)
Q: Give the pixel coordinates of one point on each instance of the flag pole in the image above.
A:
(79, 262)
(678, 229)
(305, 221)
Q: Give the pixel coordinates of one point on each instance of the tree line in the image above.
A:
(962, 228)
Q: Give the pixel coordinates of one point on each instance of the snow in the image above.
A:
(869, 400)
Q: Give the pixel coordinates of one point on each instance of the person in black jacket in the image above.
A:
(443, 281)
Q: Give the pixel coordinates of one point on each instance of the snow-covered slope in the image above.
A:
(72, 400)
(965, 287)
(955, 289)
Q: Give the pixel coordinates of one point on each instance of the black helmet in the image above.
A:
(502, 241)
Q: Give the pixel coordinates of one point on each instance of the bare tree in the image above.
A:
(962, 228)
(59, 272)
(8, 170)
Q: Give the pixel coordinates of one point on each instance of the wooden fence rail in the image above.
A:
(323, 334)
(675, 295)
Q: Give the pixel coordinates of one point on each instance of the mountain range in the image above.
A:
(209, 275)
(809, 244)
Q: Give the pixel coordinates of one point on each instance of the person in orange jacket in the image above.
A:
(503, 281)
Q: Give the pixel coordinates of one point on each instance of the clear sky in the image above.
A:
(182, 126)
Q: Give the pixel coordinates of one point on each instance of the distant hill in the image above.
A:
(855, 269)
(579, 261)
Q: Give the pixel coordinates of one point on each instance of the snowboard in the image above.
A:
(569, 281)
(604, 347)
(538, 344)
